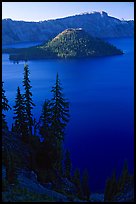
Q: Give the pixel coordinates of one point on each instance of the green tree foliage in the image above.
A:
(77, 181)
(85, 185)
(70, 43)
(5, 107)
(78, 43)
(124, 178)
(111, 188)
(28, 98)
(114, 186)
(67, 165)
(20, 126)
(107, 193)
(114, 183)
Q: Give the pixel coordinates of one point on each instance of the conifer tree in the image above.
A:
(45, 120)
(107, 192)
(111, 188)
(13, 128)
(48, 150)
(28, 98)
(67, 165)
(77, 182)
(59, 119)
(20, 115)
(85, 185)
(5, 107)
(124, 176)
(36, 125)
(114, 184)
(60, 111)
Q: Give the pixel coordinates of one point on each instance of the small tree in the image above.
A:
(77, 182)
(124, 178)
(28, 98)
(107, 192)
(5, 107)
(114, 183)
(85, 185)
(67, 165)
(111, 188)
(45, 121)
(20, 115)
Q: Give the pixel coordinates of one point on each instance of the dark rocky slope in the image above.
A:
(27, 187)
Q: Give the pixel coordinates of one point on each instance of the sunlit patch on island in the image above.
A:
(71, 43)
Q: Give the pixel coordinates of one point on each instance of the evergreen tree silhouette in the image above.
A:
(20, 126)
(48, 150)
(77, 182)
(85, 185)
(45, 120)
(28, 98)
(124, 178)
(59, 119)
(5, 107)
(36, 126)
(111, 187)
(67, 165)
(107, 192)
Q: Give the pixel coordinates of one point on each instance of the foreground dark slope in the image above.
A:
(97, 24)
(28, 188)
(71, 43)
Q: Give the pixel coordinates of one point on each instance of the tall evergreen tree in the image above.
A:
(20, 116)
(77, 182)
(60, 111)
(59, 119)
(67, 165)
(85, 185)
(48, 150)
(5, 107)
(28, 98)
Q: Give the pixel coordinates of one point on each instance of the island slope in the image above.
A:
(71, 43)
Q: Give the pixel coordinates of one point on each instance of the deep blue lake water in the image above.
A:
(100, 134)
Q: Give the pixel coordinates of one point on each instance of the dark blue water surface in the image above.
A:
(100, 134)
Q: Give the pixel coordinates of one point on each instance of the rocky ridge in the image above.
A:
(98, 24)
